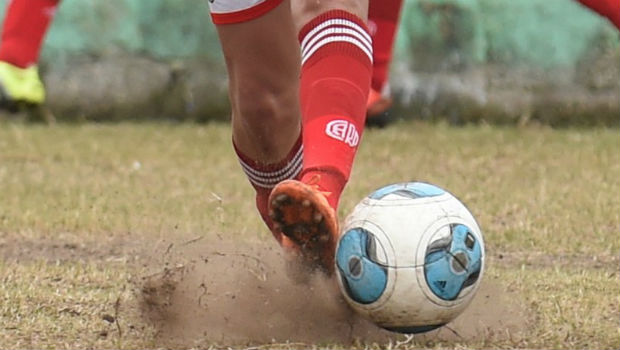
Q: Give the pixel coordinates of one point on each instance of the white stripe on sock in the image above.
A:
(272, 178)
(331, 39)
(335, 21)
(337, 31)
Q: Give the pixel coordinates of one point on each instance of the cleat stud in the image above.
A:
(305, 203)
(318, 217)
(281, 197)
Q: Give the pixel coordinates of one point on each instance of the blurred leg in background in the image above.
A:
(606, 8)
(25, 24)
(383, 19)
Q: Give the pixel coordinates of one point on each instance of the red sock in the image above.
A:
(335, 81)
(23, 30)
(607, 8)
(383, 16)
(264, 177)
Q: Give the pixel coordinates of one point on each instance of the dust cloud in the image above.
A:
(226, 293)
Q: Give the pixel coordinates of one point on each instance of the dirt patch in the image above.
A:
(18, 250)
(225, 293)
(202, 293)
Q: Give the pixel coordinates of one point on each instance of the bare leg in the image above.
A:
(262, 57)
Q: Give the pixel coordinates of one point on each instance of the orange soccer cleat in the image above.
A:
(301, 213)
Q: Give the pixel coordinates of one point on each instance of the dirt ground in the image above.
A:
(201, 292)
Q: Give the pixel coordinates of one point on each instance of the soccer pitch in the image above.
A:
(144, 235)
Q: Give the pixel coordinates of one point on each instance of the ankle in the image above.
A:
(330, 180)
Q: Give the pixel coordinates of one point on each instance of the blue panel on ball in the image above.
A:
(456, 264)
(409, 190)
(364, 279)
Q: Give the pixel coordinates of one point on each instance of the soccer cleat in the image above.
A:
(301, 213)
(20, 85)
(378, 109)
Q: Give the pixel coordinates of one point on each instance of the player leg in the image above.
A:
(607, 8)
(262, 58)
(336, 56)
(25, 25)
(383, 17)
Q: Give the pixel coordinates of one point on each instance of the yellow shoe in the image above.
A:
(20, 85)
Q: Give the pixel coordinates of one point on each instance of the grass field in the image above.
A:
(114, 236)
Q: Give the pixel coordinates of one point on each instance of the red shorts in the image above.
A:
(237, 11)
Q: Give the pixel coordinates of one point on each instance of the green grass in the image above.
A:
(74, 197)
(66, 305)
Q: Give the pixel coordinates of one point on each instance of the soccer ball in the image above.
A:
(410, 258)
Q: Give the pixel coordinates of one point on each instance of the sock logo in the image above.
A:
(344, 131)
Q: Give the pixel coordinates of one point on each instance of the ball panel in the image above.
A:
(409, 190)
(450, 263)
(405, 222)
(363, 278)
(439, 252)
(379, 250)
(409, 306)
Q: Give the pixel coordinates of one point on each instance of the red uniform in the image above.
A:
(606, 8)
(236, 11)
(24, 29)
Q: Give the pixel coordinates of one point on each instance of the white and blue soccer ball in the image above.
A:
(410, 258)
